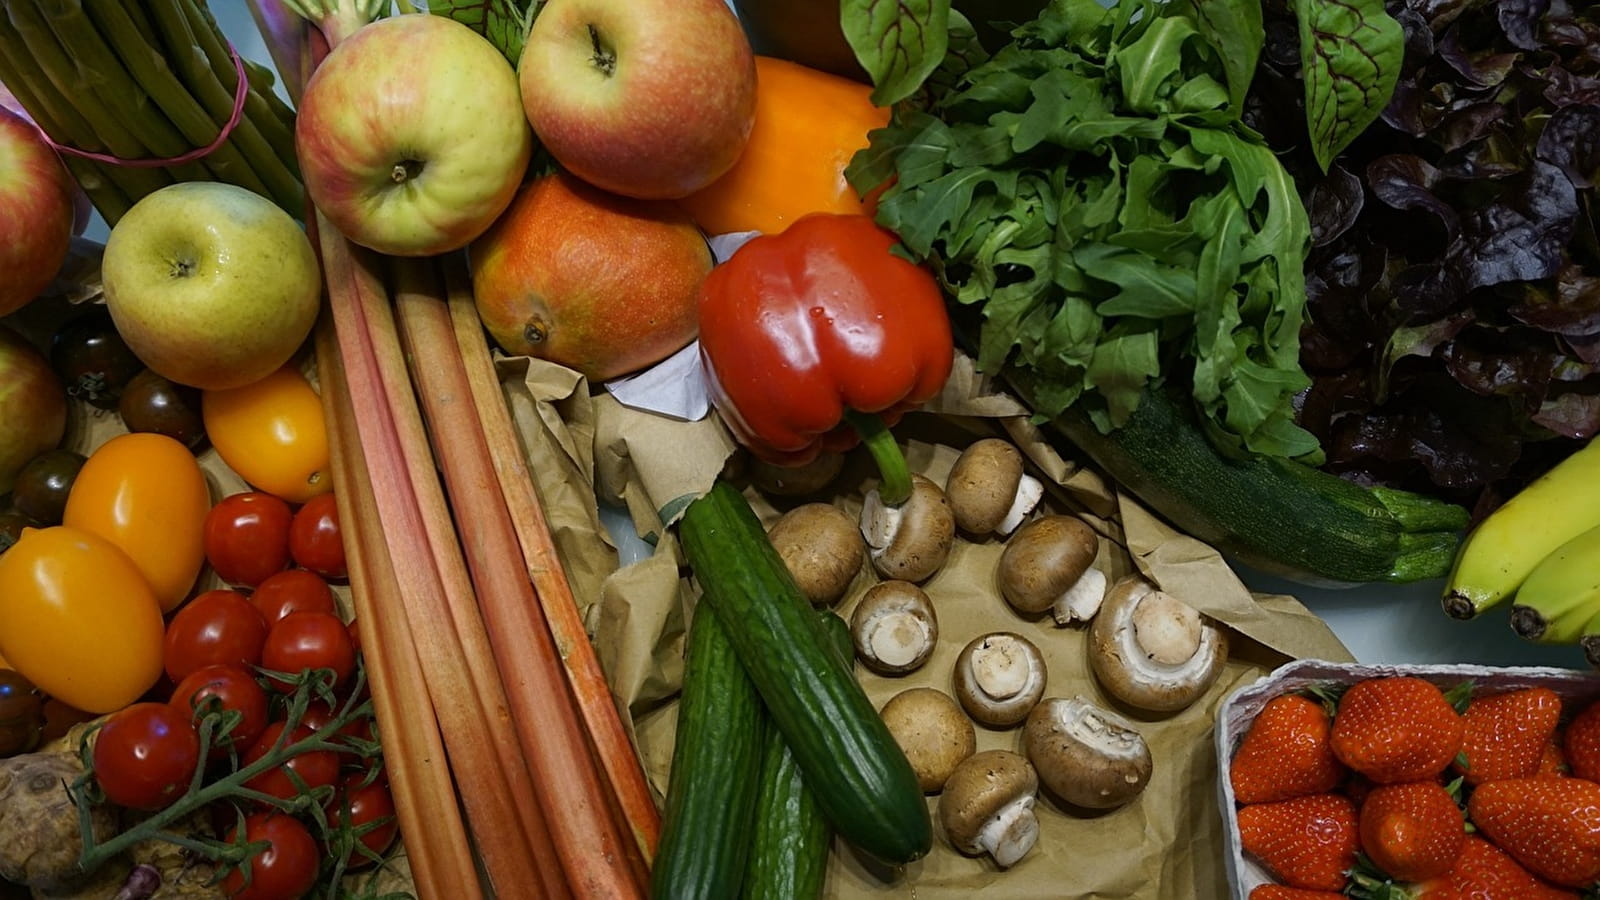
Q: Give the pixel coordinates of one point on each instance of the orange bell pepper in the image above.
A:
(808, 125)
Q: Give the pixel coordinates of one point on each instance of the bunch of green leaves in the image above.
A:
(1090, 192)
(504, 23)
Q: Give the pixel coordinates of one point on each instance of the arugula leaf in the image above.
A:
(1089, 192)
(899, 42)
(1235, 28)
(504, 22)
(1350, 51)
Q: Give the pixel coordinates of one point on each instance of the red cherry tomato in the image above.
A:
(309, 640)
(217, 627)
(316, 768)
(145, 756)
(295, 590)
(230, 688)
(369, 809)
(247, 537)
(314, 537)
(285, 870)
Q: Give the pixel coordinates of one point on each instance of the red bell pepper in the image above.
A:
(819, 336)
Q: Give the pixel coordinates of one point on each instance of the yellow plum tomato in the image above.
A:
(78, 619)
(272, 433)
(146, 494)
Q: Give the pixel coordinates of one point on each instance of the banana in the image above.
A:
(1499, 553)
(1562, 593)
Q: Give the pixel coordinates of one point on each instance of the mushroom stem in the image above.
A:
(895, 487)
(1082, 600)
(1011, 833)
(1029, 492)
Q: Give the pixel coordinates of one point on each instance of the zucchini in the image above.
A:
(716, 766)
(789, 846)
(1274, 514)
(859, 775)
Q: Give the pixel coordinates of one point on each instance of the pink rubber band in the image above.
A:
(240, 92)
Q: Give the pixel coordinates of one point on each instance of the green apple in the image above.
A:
(210, 284)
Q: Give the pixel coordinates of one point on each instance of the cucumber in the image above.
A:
(716, 766)
(789, 847)
(1274, 514)
(860, 777)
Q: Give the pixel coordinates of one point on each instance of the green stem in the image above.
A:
(66, 43)
(214, 90)
(231, 785)
(263, 107)
(148, 71)
(895, 486)
(103, 193)
(36, 67)
(337, 19)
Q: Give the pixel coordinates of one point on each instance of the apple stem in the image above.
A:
(604, 58)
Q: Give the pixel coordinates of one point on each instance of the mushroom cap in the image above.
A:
(982, 484)
(796, 481)
(999, 677)
(981, 787)
(1153, 651)
(822, 548)
(1044, 559)
(911, 541)
(932, 731)
(894, 627)
(1086, 755)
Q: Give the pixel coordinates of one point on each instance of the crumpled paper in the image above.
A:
(1166, 845)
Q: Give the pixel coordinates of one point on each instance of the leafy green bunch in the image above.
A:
(1090, 191)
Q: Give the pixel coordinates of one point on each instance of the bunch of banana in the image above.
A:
(1540, 549)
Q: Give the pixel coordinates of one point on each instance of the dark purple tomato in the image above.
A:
(41, 489)
(93, 360)
(151, 403)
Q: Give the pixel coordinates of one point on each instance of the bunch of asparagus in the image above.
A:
(146, 79)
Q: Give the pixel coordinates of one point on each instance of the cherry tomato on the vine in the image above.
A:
(319, 715)
(232, 688)
(145, 755)
(363, 807)
(293, 590)
(285, 870)
(247, 537)
(314, 537)
(217, 627)
(309, 640)
(317, 768)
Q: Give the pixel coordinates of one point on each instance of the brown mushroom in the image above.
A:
(1049, 565)
(910, 541)
(894, 627)
(822, 548)
(932, 731)
(1153, 651)
(988, 490)
(999, 677)
(987, 806)
(796, 481)
(1086, 755)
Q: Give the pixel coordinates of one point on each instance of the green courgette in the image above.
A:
(789, 845)
(716, 767)
(1276, 515)
(862, 780)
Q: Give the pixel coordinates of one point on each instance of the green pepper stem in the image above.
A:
(895, 487)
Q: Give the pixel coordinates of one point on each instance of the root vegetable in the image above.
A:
(39, 834)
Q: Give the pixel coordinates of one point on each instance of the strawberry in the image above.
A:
(1506, 734)
(1553, 761)
(1482, 872)
(1412, 831)
(1285, 753)
(1581, 743)
(1396, 728)
(1550, 825)
(1284, 892)
(1308, 842)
